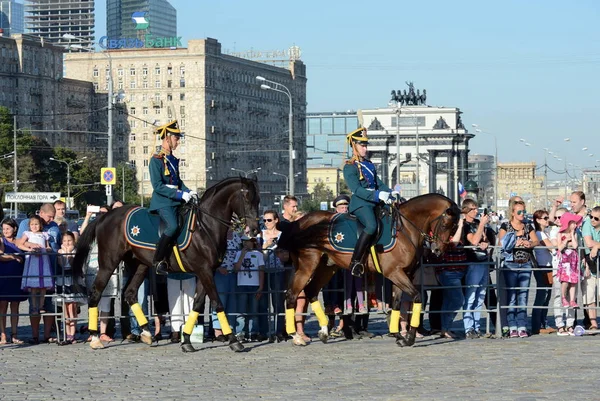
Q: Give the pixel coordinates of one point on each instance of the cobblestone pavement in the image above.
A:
(537, 368)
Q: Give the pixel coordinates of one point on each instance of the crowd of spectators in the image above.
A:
(559, 248)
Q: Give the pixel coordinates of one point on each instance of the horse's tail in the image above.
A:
(308, 232)
(84, 244)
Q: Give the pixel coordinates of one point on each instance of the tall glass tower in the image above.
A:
(11, 17)
(136, 18)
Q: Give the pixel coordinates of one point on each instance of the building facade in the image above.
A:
(482, 170)
(329, 176)
(228, 121)
(519, 179)
(159, 15)
(326, 144)
(12, 17)
(51, 19)
(32, 86)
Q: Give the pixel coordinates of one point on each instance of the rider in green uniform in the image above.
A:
(169, 191)
(367, 191)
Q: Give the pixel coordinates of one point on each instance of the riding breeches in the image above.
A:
(169, 216)
(366, 216)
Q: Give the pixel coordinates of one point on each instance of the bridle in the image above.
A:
(428, 239)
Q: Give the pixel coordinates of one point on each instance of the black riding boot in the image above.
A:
(356, 264)
(160, 256)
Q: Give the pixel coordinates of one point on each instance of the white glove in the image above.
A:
(193, 194)
(186, 196)
(396, 195)
(385, 197)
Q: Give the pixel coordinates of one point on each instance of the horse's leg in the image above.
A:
(305, 267)
(206, 281)
(192, 319)
(401, 280)
(131, 296)
(100, 283)
(322, 276)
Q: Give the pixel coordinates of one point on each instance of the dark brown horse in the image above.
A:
(425, 220)
(213, 215)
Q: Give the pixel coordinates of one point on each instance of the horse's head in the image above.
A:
(442, 227)
(246, 204)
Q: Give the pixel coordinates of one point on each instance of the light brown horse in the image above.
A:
(424, 221)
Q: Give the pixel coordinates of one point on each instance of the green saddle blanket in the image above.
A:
(343, 233)
(142, 229)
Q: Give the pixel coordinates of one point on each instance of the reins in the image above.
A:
(399, 217)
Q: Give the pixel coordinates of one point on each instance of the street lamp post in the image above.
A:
(479, 131)
(254, 170)
(69, 206)
(278, 87)
(109, 156)
(287, 181)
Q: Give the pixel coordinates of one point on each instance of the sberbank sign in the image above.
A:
(132, 43)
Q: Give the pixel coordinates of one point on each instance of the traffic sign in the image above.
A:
(108, 190)
(31, 197)
(108, 176)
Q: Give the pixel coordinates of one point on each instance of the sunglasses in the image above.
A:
(595, 218)
(520, 212)
(519, 203)
(546, 218)
(268, 220)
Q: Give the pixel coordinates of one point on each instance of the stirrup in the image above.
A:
(162, 269)
(357, 269)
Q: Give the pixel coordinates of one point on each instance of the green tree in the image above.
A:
(321, 193)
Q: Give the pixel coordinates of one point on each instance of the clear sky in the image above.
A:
(518, 69)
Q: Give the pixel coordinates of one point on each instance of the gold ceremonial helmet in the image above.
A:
(171, 128)
(358, 135)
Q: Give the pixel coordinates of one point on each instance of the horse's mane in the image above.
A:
(210, 192)
(308, 232)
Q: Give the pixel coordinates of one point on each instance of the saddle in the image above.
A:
(345, 229)
(143, 229)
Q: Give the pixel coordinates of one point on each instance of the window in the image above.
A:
(132, 85)
(182, 122)
(157, 110)
(132, 150)
(145, 71)
(146, 176)
(131, 97)
(146, 162)
(120, 72)
(95, 86)
(132, 123)
(182, 83)
(182, 96)
(182, 163)
(182, 175)
(120, 125)
(145, 84)
(145, 124)
(170, 70)
(145, 136)
(169, 96)
(144, 97)
(132, 111)
(132, 137)
(169, 83)
(182, 111)
(132, 71)
(95, 72)
(132, 162)
(157, 97)
(182, 71)
(157, 83)
(157, 70)
(145, 111)
(145, 150)
(120, 85)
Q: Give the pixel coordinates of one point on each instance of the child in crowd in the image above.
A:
(568, 265)
(37, 274)
(250, 265)
(64, 283)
